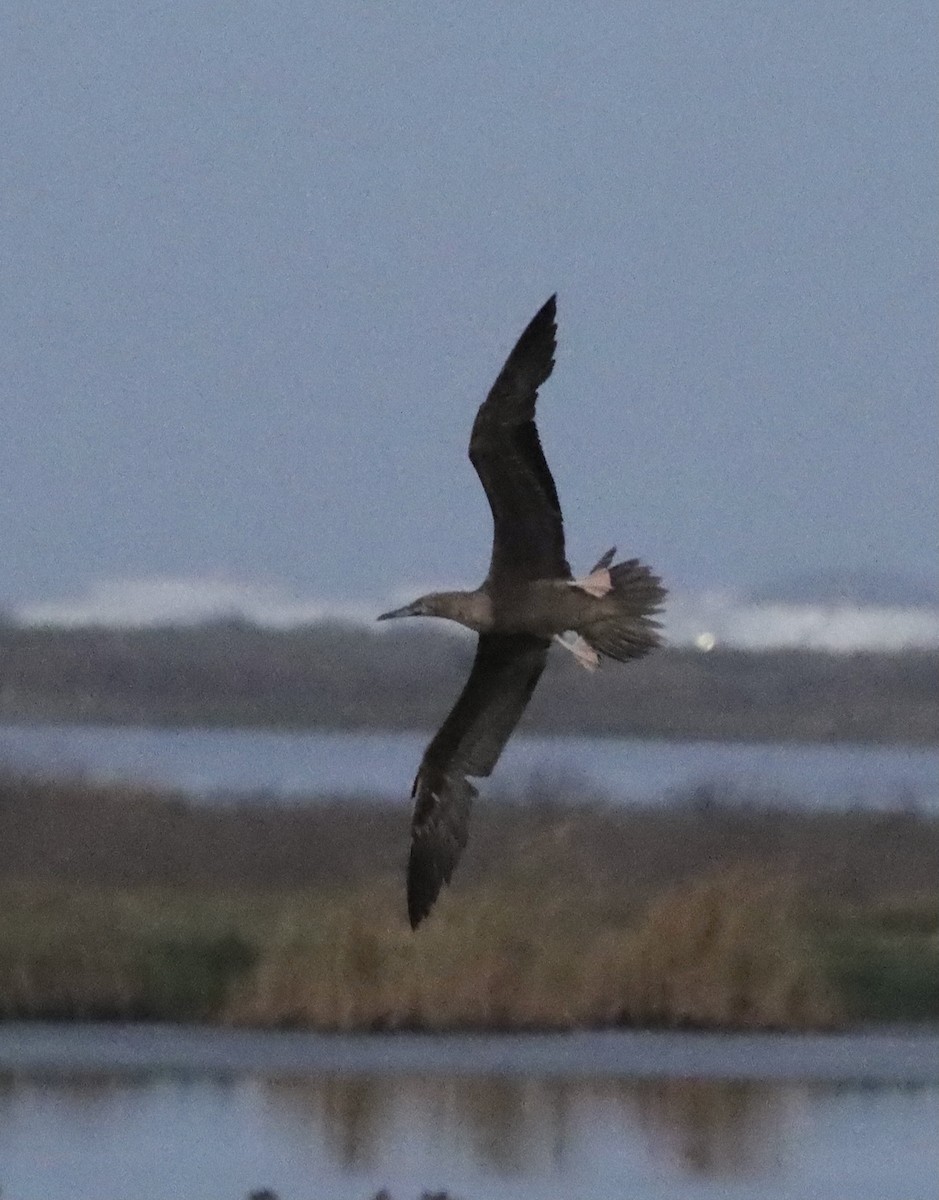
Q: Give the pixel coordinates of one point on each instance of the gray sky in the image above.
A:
(260, 264)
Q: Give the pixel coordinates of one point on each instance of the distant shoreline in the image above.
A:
(866, 1055)
(527, 728)
(232, 675)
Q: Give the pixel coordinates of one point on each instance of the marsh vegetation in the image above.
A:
(126, 904)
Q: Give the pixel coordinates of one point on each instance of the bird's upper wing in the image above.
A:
(505, 671)
(528, 531)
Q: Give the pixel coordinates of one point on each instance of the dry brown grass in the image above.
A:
(729, 950)
(724, 952)
(121, 905)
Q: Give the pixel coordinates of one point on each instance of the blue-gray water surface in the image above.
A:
(285, 765)
(114, 1113)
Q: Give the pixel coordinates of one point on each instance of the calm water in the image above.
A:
(285, 765)
(114, 1115)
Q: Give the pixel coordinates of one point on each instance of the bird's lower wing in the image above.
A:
(505, 671)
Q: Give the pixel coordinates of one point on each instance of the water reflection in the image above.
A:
(287, 765)
(347, 1136)
(498, 1121)
(724, 1128)
(348, 1114)
(515, 1126)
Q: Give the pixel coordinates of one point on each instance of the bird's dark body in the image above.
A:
(544, 607)
(527, 599)
(547, 607)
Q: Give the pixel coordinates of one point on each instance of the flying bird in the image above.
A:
(528, 599)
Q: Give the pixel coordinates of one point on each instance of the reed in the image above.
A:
(725, 952)
(731, 950)
(715, 916)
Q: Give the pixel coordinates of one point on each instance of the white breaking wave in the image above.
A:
(703, 620)
(132, 603)
(720, 619)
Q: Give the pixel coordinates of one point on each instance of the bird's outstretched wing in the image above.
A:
(528, 530)
(506, 669)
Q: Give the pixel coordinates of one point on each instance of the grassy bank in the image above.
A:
(124, 905)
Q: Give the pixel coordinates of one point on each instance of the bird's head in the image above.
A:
(423, 606)
(472, 609)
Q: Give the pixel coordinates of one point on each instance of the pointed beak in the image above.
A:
(409, 610)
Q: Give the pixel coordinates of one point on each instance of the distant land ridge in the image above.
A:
(342, 676)
(843, 611)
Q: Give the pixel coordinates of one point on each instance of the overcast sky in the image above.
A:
(259, 263)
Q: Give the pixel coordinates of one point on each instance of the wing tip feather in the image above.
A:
(439, 830)
(424, 884)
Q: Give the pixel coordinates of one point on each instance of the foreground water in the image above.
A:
(286, 765)
(163, 1114)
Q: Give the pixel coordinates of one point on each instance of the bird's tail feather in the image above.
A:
(631, 630)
